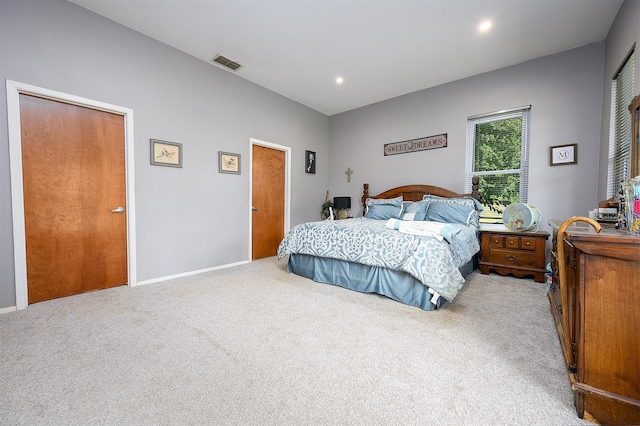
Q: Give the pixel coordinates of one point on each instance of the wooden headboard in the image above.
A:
(417, 191)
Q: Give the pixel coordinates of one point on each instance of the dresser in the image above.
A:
(599, 325)
(518, 253)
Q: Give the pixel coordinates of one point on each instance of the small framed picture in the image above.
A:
(310, 162)
(228, 162)
(165, 153)
(563, 154)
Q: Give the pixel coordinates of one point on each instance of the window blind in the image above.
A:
(620, 134)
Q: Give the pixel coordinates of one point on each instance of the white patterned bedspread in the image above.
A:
(367, 241)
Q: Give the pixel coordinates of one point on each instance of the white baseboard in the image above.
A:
(8, 309)
(157, 280)
(186, 274)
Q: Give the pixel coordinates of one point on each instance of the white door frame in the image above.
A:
(287, 186)
(14, 89)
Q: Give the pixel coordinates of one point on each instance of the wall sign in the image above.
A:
(413, 145)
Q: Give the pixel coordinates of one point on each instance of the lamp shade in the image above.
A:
(342, 202)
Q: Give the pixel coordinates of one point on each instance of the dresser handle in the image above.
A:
(512, 258)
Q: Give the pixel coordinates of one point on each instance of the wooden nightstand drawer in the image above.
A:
(512, 242)
(497, 241)
(524, 243)
(527, 243)
(512, 257)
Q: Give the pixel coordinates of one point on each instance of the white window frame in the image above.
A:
(472, 121)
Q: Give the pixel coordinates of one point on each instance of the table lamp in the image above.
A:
(341, 204)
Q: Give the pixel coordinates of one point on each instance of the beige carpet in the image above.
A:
(254, 345)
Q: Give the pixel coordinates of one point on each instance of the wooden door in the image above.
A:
(74, 178)
(267, 201)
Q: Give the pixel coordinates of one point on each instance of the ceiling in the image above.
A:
(382, 49)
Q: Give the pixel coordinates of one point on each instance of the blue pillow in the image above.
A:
(397, 201)
(414, 210)
(383, 211)
(439, 211)
(414, 216)
(464, 201)
(383, 208)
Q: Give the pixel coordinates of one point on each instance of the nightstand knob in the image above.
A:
(511, 242)
(512, 258)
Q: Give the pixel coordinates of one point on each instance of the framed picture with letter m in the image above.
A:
(563, 154)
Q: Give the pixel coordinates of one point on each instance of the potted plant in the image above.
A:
(325, 213)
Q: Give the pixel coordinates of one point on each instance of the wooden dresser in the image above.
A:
(603, 329)
(518, 253)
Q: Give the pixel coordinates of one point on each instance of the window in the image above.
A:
(498, 153)
(619, 167)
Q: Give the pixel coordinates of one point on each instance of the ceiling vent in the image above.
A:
(226, 62)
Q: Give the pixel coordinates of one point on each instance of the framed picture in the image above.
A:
(228, 162)
(563, 154)
(310, 162)
(165, 153)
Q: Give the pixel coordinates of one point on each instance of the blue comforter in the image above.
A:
(367, 241)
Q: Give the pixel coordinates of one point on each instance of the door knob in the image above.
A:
(118, 210)
(254, 209)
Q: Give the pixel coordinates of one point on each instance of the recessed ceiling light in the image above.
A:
(339, 80)
(485, 26)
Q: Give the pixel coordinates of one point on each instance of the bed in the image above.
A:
(413, 244)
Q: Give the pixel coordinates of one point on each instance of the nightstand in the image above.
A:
(518, 253)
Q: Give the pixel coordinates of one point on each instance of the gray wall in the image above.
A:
(187, 219)
(565, 94)
(61, 46)
(623, 35)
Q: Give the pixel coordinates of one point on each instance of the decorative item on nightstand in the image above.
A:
(341, 204)
(521, 217)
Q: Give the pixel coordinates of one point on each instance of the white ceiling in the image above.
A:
(382, 49)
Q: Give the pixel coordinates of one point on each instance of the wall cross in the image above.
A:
(348, 172)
